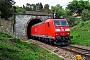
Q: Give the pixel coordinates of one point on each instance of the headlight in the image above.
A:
(53, 37)
(68, 33)
(56, 34)
(57, 30)
(67, 29)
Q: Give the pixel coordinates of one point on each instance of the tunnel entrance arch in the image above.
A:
(30, 23)
(23, 22)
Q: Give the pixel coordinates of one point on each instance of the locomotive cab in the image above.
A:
(62, 31)
(61, 28)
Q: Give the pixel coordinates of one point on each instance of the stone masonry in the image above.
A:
(21, 23)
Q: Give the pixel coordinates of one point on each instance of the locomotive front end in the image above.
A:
(62, 31)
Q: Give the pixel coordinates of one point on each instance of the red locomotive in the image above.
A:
(55, 31)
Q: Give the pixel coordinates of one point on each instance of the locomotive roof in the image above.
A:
(38, 23)
(46, 20)
(56, 19)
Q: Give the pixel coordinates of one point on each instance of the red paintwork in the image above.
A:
(43, 30)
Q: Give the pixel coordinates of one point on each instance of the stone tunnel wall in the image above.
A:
(21, 23)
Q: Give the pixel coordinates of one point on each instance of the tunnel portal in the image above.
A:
(23, 24)
(31, 23)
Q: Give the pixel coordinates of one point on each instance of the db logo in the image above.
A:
(62, 29)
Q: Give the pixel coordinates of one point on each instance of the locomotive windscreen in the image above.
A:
(60, 23)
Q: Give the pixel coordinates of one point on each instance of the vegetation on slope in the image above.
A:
(20, 50)
(81, 34)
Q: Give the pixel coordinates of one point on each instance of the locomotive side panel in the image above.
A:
(41, 30)
(53, 33)
(50, 31)
(34, 31)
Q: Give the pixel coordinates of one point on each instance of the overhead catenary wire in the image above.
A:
(60, 4)
(52, 2)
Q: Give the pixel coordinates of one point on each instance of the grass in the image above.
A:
(81, 34)
(20, 50)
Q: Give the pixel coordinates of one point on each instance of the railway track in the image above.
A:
(78, 50)
(68, 52)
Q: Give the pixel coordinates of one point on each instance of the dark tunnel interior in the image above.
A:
(31, 23)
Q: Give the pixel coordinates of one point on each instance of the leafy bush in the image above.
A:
(73, 21)
(85, 15)
(81, 34)
(80, 37)
(4, 35)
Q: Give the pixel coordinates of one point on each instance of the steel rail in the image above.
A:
(77, 50)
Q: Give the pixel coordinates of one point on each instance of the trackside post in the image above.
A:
(78, 57)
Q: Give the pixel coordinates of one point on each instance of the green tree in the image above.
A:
(41, 6)
(68, 12)
(6, 8)
(37, 6)
(85, 15)
(33, 7)
(28, 7)
(77, 6)
(71, 20)
(60, 11)
(46, 8)
(20, 10)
